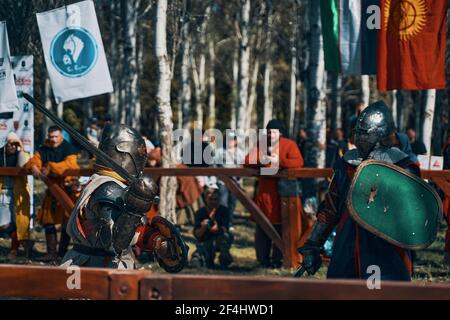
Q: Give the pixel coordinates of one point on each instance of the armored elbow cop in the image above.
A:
(140, 196)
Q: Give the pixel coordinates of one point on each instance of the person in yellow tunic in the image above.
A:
(15, 196)
(52, 160)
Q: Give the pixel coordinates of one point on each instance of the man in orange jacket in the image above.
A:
(284, 154)
(52, 160)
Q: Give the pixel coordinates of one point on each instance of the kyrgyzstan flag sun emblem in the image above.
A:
(405, 18)
(411, 45)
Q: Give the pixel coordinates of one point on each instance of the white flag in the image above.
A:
(73, 51)
(24, 117)
(8, 94)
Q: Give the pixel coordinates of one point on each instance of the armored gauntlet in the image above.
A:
(138, 199)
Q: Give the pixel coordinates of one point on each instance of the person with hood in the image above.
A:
(15, 197)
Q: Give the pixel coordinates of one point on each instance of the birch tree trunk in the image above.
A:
(244, 64)
(140, 66)
(48, 105)
(168, 185)
(438, 139)
(365, 90)
(268, 97)
(299, 109)
(251, 116)
(293, 84)
(235, 90)
(394, 108)
(60, 110)
(430, 103)
(316, 95)
(185, 94)
(336, 107)
(130, 10)
(211, 120)
(400, 114)
(253, 95)
(113, 97)
(199, 73)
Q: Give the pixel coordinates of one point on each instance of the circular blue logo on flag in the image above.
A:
(74, 52)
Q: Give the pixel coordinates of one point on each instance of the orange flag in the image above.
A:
(411, 44)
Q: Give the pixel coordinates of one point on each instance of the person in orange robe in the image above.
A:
(52, 160)
(285, 154)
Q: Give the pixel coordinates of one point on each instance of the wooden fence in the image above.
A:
(288, 242)
(105, 284)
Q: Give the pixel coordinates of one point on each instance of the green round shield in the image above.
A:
(394, 205)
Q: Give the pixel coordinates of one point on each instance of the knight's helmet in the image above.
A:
(126, 146)
(374, 124)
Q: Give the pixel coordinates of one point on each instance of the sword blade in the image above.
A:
(81, 140)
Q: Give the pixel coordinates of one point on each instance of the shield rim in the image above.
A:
(374, 231)
(185, 249)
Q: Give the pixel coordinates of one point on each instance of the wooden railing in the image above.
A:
(289, 240)
(106, 284)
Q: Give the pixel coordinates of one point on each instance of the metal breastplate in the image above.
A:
(102, 210)
(104, 205)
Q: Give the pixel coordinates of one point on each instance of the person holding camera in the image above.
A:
(211, 230)
(15, 197)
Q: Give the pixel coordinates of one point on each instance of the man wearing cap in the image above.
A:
(15, 196)
(212, 231)
(284, 154)
(52, 160)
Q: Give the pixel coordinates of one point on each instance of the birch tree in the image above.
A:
(256, 42)
(336, 107)
(168, 185)
(268, 97)
(114, 56)
(184, 117)
(199, 67)
(244, 63)
(394, 108)
(130, 10)
(48, 104)
(235, 90)
(365, 90)
(316, 82)
(293, 78)
(427, 132)
(211, 119)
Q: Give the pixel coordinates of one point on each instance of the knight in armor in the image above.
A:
(104, 223)
(355, 248)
